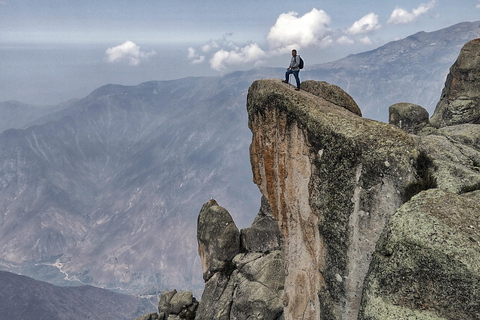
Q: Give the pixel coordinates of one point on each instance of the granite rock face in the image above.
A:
(408, 116)
(332, 180)
(452, 157)
(460, 98)
(427, 262)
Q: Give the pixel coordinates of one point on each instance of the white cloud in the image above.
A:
(194, 57)
(401, 16)
(366, 40)
(478, 5)
(128, 52)
(366, 24)
(291, 31)
(248, 54)
(345, 40)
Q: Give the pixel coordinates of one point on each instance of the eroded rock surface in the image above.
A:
(427, 261)
(359, 219)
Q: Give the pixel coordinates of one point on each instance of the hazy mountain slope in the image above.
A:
(18, 115)
(408, 70)
(24, 298)
(110, 193)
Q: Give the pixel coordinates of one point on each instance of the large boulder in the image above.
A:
(218, 238)
(427, 262)
(333, 94)
(460, 100)
(409, 117)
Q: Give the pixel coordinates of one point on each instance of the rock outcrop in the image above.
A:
(174, 305)
(218, 239)
(332, 180)
(461, 97)
(375, 221)
(252, 288)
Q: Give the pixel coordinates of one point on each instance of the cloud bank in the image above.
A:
(128, 52)
(250, 53)
(292, 31)
(401, 16)
(289, 31)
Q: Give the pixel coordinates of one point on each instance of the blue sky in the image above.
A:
(201, 37)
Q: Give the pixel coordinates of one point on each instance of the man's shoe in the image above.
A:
(297, 89)
(284, 81)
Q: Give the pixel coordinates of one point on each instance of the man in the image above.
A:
(293, 68)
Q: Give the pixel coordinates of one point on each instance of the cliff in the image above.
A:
(359, 219)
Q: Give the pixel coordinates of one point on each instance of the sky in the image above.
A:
(55, 50)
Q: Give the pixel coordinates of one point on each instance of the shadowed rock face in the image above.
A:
(460, 101)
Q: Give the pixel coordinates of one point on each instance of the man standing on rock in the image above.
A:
(293, 68)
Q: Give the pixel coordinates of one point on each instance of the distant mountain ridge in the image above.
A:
(107, 191)
(27, 299)
(20, 115)
(408, 70)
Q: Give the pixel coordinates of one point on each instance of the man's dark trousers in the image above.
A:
(295, 73)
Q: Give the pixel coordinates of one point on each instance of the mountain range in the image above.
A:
(106, 190)
(28, 299)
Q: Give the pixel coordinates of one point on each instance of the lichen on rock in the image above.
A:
(427, 261)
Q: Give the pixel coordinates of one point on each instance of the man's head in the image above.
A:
(294, 52)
